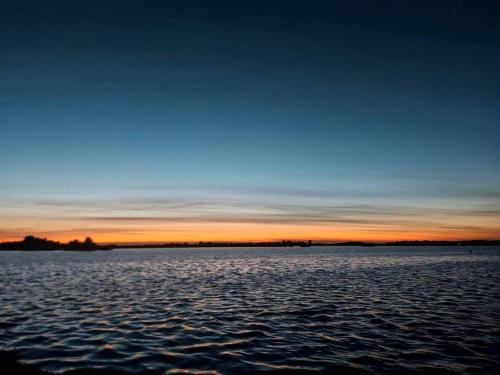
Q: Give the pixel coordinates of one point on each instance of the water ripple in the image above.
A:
(236, 311)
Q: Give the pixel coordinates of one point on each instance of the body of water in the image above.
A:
(246, 310)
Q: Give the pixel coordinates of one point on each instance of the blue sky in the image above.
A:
(246, 107)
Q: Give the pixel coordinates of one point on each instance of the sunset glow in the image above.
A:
(262, 218)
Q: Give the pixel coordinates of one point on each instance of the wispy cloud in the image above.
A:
(317, 211)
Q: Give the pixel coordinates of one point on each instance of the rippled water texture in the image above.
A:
(230, 311)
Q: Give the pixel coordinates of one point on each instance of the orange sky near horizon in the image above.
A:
(240, 232)
(227, 215)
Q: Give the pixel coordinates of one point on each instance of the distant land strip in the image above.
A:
(32, 243)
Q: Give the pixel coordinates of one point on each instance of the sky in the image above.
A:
(156, 121)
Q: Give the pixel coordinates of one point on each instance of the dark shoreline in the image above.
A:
(308, 244)
(31, 243)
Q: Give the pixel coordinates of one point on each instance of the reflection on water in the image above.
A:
(229, 311)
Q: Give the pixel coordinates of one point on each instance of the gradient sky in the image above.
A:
(134, 121)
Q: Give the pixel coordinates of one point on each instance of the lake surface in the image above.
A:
(233, 311)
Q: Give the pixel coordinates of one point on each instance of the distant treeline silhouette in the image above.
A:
(221, 244)
(32, 243)
(310, 243)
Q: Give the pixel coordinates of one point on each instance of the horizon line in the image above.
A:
(275, 241)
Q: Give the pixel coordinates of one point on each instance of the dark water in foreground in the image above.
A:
(230, 311)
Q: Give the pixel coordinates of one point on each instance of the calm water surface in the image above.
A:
(232, 311)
